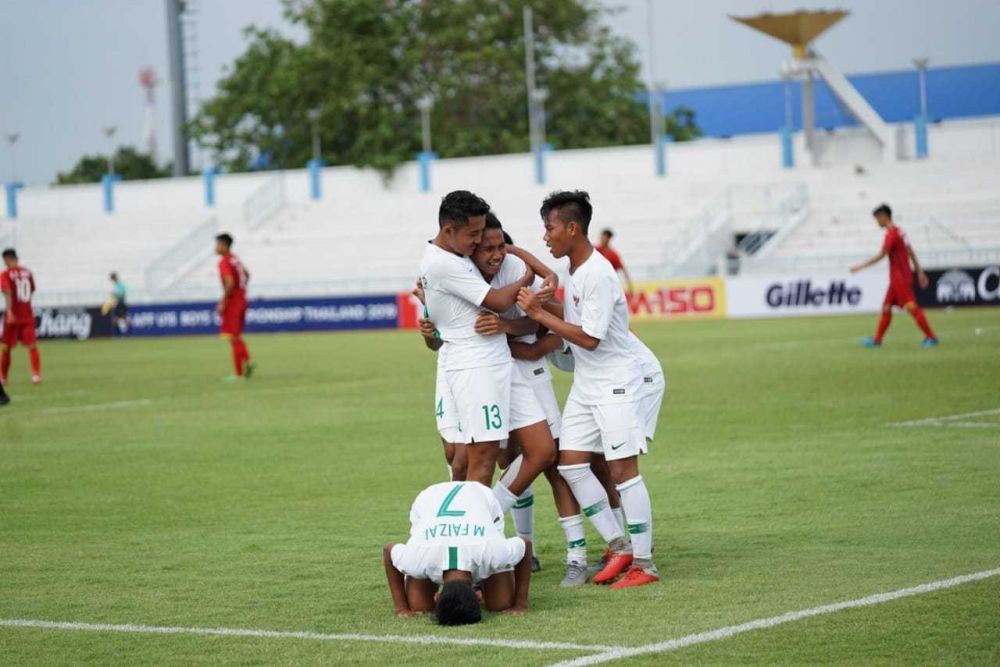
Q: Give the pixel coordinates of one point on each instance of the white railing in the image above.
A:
(699, 245)
(194, 248)
(265, 202)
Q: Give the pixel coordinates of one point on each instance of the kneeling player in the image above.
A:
(457, 541)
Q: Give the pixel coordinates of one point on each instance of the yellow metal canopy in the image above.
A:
(797, 29)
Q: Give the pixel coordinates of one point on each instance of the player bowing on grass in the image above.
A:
(457, 539)
(233, 305)
(477, 369)
(18, 285)
(602, 412)
(900, 292)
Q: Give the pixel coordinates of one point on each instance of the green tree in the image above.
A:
(365, 63)
(130, 163)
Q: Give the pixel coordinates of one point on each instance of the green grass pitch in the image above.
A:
(137, 488)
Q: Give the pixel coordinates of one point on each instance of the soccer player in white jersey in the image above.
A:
(457, 539)
(477, 368)
(602, 413)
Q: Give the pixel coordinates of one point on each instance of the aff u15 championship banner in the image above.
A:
(363, 312)
(978, 286)
(788, 296)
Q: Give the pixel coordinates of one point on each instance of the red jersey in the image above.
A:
(611, 256)
(21, 285)
(230, 265)
(897, 247)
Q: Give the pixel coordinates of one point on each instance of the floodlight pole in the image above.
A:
(920, 126)
(534, 134)
(425, 103)
(109, 132)
(12, 140)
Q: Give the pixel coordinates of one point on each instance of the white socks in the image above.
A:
(576, 544)
(639, 511)
(593, 500)
(503, 495)
(523, 514)
(521, 508)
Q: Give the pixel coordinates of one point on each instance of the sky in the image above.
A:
(69, 68)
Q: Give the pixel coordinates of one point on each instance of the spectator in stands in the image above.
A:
(604, 247)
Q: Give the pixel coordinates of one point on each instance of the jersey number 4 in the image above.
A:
(439, 411)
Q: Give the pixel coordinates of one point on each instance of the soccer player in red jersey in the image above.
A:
(604, 247)
(18, 284)
(233, 305)
(900, 292)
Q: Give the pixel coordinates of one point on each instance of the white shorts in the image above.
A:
(483, 559)
(482, 401)
(445, 411)
(524, 407)
(649, 404)
(613, 429)
(545, 395)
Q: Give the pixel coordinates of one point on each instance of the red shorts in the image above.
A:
(899, 294)
(233, 318)
(22, 331)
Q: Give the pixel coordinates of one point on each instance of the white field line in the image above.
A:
(96, 406)
(765, 623)
(317, 636)
(953, 421)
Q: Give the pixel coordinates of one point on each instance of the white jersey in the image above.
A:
(647, 360)
(456, 526)
(454, 290)
(511, 271)
(596, 302)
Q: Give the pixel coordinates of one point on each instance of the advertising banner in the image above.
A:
(787, 296)
(363, 312)
(961, 287)
(78, 323)
(672, 299)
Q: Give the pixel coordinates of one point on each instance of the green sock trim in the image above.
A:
(636, 528)
(576, 544)
(524, 502)
(595, 508)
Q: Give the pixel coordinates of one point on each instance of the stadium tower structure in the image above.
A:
(799, 29)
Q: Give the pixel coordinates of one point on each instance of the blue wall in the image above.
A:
(952, 92)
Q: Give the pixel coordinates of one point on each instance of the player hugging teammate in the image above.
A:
(482, 302)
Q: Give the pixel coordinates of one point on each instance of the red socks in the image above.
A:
(36, 361)
(240, 354)
(883, 324)
(918, 315)
(4, 363)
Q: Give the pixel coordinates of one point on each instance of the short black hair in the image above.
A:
(114, 275)
(9, 253)
(883, 209)
(608, 233)
(458, 604)
(572, 206)
(458, 206)
(493, 222)
(225, 238)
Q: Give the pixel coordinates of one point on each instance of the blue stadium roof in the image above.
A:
(952, 92)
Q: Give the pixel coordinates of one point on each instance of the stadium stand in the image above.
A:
(364, 234)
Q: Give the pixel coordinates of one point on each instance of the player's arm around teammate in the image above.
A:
(602, 411)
